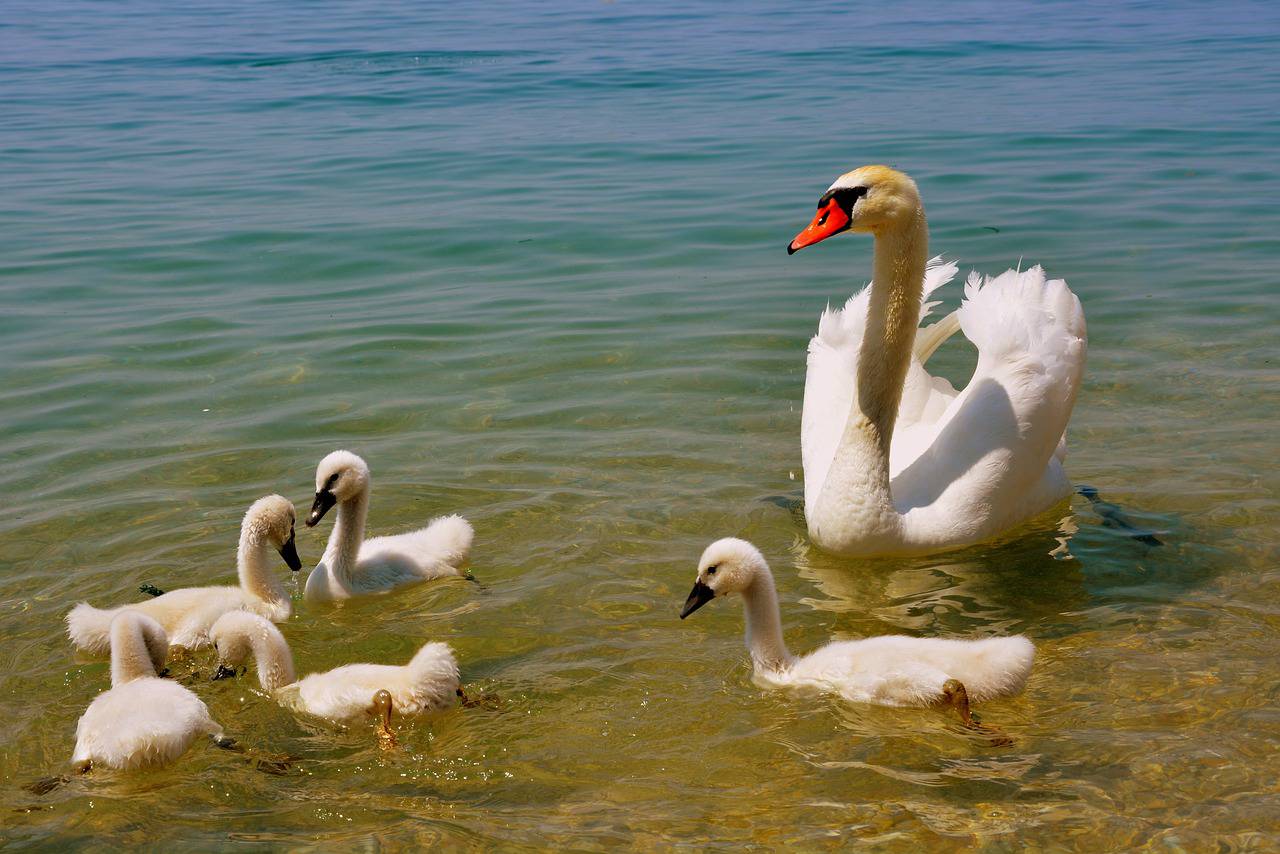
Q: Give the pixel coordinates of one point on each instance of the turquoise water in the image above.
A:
(528, 260)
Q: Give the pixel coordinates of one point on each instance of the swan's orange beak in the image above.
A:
(830, 219)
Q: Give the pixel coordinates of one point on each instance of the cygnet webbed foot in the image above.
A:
(483, 700)
(276, 764)
(382, 706)
(956, 695)
(226, 742)
(45, 785)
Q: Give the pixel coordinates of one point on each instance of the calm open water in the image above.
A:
(527, 258)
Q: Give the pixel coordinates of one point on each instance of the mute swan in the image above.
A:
(142, 720)
(187, 614)
(428, 683)
(896, 461)
(352, 565)
(891, 670)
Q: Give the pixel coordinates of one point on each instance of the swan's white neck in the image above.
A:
(855, 506)
(764, 623)
(138, 649)
(343, 551)
(273, 659)
(253, 565)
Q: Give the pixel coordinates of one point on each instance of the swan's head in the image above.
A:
(727, 566)
(869, 199)
(231, 635)
(340, 476)
(238, 636)
(270, 519)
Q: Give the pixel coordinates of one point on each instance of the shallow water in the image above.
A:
(529, 262)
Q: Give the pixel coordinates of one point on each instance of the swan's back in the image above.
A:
(145, 722)
(428, 683)
(185, 615)
(907, 671)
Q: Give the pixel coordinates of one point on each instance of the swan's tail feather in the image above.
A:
(451, 536)
(436, 657)
(90, 628)
(435, 670)
(1005, 664)
(936, 274)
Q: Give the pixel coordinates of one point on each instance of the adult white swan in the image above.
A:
(896, 461)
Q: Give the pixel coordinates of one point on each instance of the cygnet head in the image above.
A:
(231, 635)
(238, 636)
(727, 566)
(340, 476)
(870, 199)
(270, 519)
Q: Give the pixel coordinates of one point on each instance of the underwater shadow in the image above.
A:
(1039, 578)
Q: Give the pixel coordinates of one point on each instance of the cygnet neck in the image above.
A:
(764, 623)
(138, 649)
(343, 551)
(273, 659)
(254, 566)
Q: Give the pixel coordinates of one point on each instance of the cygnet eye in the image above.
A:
(711, 570)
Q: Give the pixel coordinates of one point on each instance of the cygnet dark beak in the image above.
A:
(700, 595)
(224, 672)
(289, 551)
(324, 500)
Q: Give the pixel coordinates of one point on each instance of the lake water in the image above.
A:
(528, 259)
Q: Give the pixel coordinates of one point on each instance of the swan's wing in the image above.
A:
(830, 379)
(445, 541)
(440, 549)
(992, 447)
(829, 387)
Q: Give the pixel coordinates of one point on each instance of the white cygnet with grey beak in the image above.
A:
(891, 670)
(354, 566)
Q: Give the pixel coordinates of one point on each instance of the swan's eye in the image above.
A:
(333, 478)
(711, 570)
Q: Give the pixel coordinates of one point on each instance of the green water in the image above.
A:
(528, 261)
